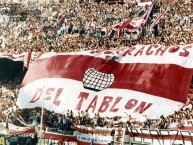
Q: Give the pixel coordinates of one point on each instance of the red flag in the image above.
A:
(132, 25)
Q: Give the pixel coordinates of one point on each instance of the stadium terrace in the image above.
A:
(96, 72)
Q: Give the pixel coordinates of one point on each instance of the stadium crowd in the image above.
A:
(77, 26)
(82, 25)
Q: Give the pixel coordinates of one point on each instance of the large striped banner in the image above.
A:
(151, 80)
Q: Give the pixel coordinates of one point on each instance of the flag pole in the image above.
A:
(41, 121)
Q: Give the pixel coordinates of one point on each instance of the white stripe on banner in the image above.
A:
(86, 139)
(159, 54)
(109, 102)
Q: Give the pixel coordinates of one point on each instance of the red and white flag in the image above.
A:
(145, 79)
(133, 25)
(13, 129)
(158, 18)
(26, 57)
(13, 56)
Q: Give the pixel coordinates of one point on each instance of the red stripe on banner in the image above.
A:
(165, 80)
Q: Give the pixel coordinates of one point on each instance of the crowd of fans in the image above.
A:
(87, 25)
(76, 26)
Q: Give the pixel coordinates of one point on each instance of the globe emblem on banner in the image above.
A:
(97, 80)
